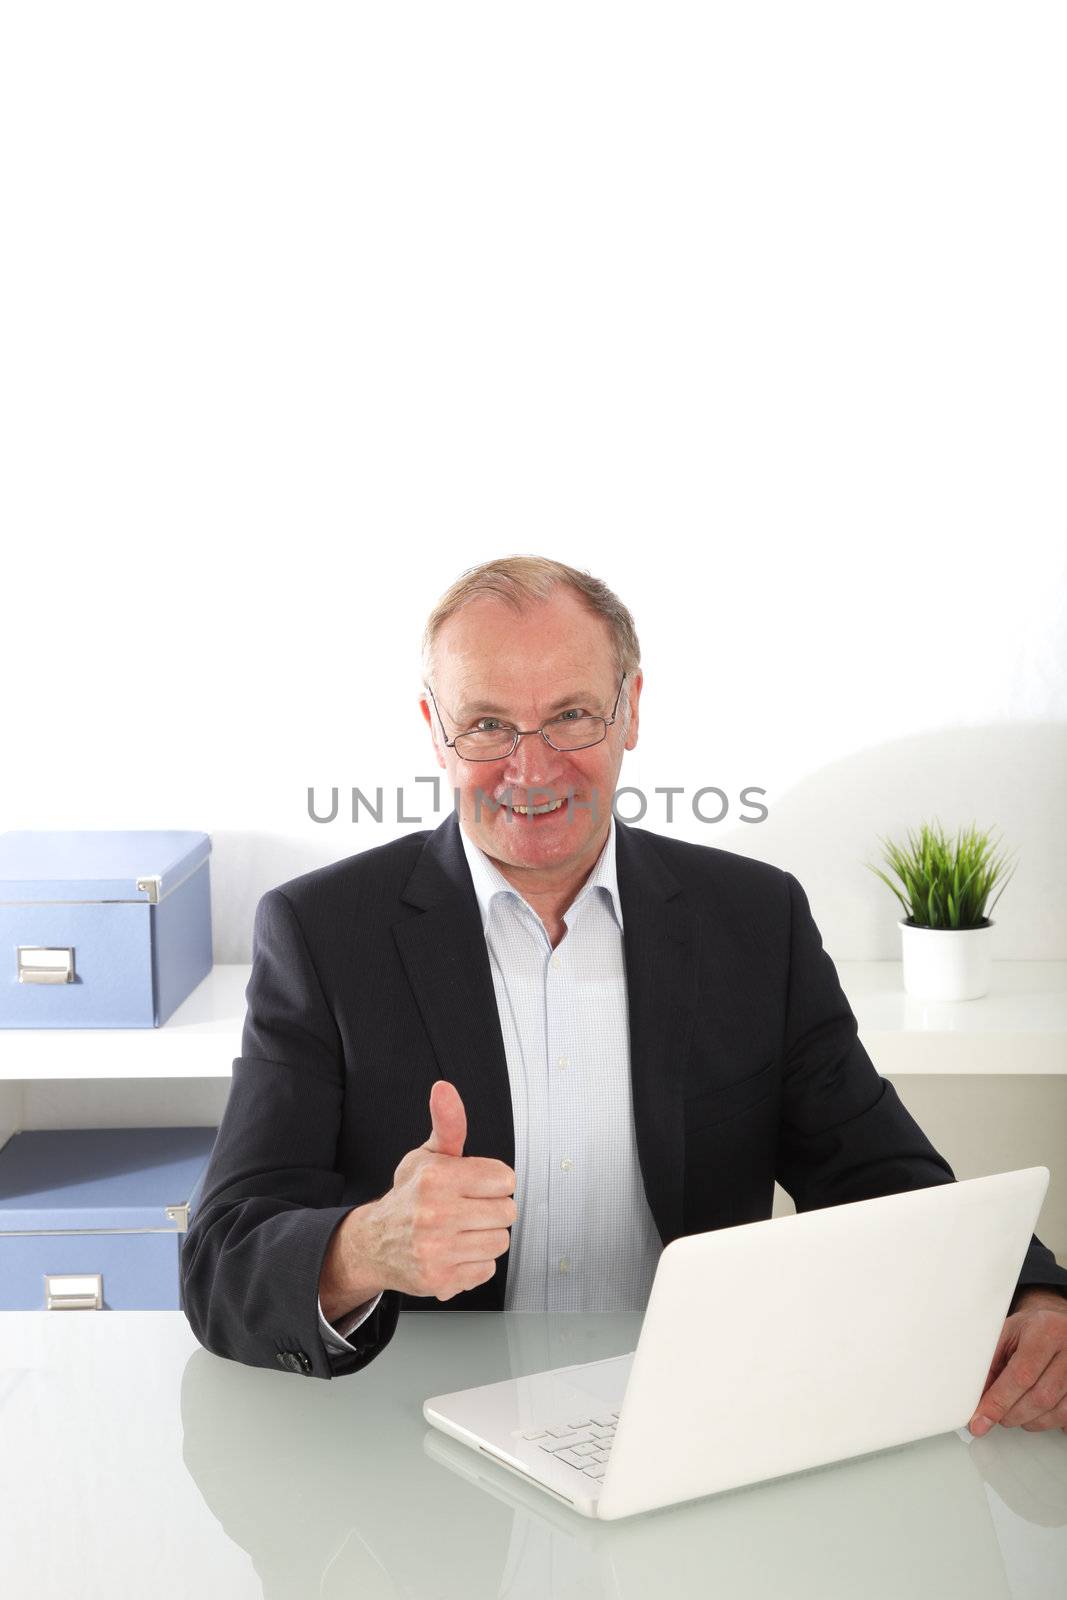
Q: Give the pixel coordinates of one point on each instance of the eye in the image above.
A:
(479, 728)
(566, 716)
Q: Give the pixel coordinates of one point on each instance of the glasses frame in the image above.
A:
(521, 733)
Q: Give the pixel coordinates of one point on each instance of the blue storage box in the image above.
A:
(93, 1218)
(101, 930)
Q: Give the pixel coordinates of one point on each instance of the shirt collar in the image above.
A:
(489, 881)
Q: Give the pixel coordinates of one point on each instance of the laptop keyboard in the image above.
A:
(583, 1443)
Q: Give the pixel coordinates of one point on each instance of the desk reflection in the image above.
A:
(341, 1489)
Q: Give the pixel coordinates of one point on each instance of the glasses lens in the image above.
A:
(575, 733)
(484, 744)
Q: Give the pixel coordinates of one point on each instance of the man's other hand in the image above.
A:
(1027, 1381)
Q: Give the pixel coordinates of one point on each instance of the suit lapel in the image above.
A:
(447, 964)
(660, 953)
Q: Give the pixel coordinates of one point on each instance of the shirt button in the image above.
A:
(565, 1264)
(566, 1163)
(562, 1062)
(554, 962)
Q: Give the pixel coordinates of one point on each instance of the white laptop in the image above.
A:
(772, 1348)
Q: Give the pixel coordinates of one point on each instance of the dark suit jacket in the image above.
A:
(371, 979)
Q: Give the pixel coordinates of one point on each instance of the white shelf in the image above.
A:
(199, 1040)
(1019, 1027)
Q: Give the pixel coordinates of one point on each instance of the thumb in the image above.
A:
(449, 1120)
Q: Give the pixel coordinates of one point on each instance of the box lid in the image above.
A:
(63, 1180)
(97, 864)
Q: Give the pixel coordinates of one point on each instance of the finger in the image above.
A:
(449, 1120)
(480, 1177)
(1049, 1419)
(1044, 1397)
(1018, 1378)
(469, 1277)
(478, 1245)
(1005, 1345)
(474, 1215)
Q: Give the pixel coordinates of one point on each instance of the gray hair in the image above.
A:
(518, 580)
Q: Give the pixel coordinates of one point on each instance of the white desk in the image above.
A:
(135, 1463)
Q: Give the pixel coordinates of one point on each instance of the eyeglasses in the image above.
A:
(572, 730)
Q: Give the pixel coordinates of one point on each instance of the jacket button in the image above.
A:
(294, 1360)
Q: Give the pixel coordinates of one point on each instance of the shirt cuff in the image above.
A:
(335, 1334)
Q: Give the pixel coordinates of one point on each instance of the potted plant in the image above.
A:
(946, 930)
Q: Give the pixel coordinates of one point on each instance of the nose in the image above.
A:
(535, 765)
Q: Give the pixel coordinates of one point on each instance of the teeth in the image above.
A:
(538, 811)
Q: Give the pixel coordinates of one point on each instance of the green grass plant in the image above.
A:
(945, 883)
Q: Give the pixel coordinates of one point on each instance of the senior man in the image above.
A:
(616, 1038)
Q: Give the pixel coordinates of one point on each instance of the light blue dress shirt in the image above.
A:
(584, 1238)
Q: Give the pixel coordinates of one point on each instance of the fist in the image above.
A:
(445, 1221)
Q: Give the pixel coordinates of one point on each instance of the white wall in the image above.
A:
(754, 311)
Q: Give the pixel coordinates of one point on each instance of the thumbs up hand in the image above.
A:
(440, 1228)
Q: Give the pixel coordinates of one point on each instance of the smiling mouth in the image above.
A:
(536, 811)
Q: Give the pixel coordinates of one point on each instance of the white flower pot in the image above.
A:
(946, 963)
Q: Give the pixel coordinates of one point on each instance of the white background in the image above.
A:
(754, 311)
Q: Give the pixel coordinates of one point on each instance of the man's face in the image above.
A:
(494, 665)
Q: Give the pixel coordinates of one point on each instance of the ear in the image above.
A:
(633, 693)
(427, 711)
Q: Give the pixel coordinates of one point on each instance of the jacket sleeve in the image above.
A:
(844, 1133)
(253, 1254)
